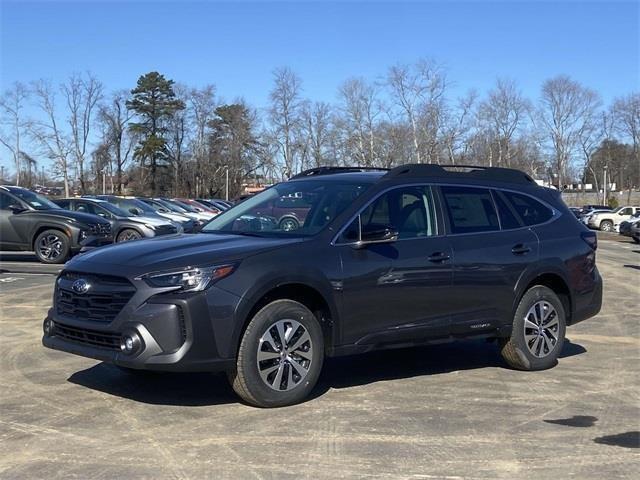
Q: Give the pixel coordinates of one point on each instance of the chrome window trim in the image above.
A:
(555, 214)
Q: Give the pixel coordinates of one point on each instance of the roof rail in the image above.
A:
(330, 170)
(510, 175)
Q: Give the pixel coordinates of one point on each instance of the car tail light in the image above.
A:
(591, 239)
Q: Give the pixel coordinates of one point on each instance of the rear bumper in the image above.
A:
(173, 333)
(588, 304)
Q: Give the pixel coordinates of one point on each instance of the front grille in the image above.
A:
(94, 338)
(166, 229)
(106, 297)
(99, 228)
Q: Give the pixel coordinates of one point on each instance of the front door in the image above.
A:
(401, 291)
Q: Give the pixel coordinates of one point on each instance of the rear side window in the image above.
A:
(508, 216)
(530, 211)
(6, 201)
(470, 210)
(62, 203)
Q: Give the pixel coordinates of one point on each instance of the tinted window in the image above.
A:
(409, 210)
(5, 201)
(62, 203)
(530, 211)
(85, 207)
(470, 210)
(508, 216)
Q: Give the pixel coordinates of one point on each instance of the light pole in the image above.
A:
(604, 185)
(226, 173)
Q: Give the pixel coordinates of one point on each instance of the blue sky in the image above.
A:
(236, 45)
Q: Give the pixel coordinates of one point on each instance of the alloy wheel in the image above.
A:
(284, 355)
(541, 328)
(288, 225)
(50, 247)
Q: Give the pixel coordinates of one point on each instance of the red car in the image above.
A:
(289, 211)
(199, 206)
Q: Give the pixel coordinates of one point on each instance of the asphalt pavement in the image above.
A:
(445, 411)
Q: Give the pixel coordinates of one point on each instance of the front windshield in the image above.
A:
(188, 208)
(129, 203)
(34, 200)
(301, 208)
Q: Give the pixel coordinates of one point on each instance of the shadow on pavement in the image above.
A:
(200, 389)
(18, 257)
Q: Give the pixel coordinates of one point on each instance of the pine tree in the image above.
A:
(154, 102)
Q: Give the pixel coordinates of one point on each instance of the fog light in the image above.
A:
(130, 343)
(47, 326)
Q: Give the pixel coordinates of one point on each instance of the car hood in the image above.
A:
(175, 217)
(63, 214)
(155, 221)
(172, 251)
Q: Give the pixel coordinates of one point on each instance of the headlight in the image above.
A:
(148, 225)
(191, 279)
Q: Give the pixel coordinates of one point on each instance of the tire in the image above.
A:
(288, 224)
(276, 381)
(606, 226)
(636, 239)
(128, 234)
(52, 246)
(536, 351)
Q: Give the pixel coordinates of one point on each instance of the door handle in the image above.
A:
(520, 249)
(438, 257)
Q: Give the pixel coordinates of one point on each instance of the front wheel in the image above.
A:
(127, 235)
(52, 246)
(606, 226)
(280, 356)
(538, 331)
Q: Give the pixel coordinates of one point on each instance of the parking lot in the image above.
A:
(444, 411)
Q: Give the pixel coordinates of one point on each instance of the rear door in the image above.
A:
(487, 260)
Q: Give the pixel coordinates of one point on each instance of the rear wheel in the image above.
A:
(606, 226)
(127, 235)
(289, 224)
(538, 331)
(52, 246)
(280, 356)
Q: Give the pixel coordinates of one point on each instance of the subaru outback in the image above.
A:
(383, 259)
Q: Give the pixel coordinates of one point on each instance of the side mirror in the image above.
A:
(163, 210)
(135, 211)
(16, 208)
(373, 234)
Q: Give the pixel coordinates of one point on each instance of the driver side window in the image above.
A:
(408, 210)
(6, 201)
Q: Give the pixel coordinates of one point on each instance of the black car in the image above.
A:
(29, 221)
(125, 226)
(383, 259)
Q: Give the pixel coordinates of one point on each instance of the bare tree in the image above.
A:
(114, 117)
(626, 114)
(563, 105)
(458, 126)
(285, 115)
(82, 94)
(48, 133)
(13, 123)
(418, 91)
(201, 106)
(316, 120)
(360, 109)
(505, 112)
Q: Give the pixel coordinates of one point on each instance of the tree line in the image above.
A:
(167, 138)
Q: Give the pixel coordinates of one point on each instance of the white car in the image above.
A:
(584, 218)
(610, 221)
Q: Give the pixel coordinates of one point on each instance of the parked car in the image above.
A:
(610, 221)
(198, 206)
(29, 221)
(200, 217)
(141, 209)
(221, 205)
(584, 217)
(576, 211)
(635, 232)
(125, 226)
(188, 224)
(625, 226)
(383, 259)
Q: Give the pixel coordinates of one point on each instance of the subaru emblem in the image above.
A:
(80, 286)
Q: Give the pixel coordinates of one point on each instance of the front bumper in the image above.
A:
(176, 332)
